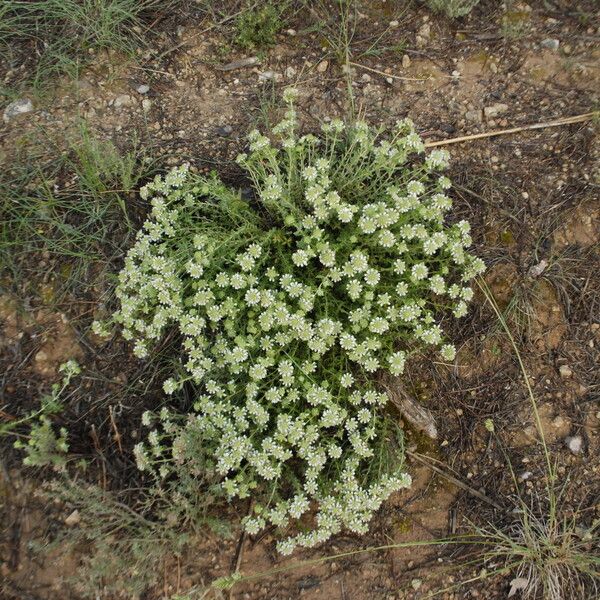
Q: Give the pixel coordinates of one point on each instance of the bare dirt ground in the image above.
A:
(533, 200)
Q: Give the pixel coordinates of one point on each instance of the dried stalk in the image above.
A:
(497, 132)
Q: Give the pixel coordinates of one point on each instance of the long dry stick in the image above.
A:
(387, 74)
(496, 132)
(239, 553)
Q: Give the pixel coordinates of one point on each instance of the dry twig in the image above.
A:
(387, 74)
(497, 132)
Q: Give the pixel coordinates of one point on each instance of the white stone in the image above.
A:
(266, 76)
(18, 107)
(574, 443)
(122, 100)
(73, 519)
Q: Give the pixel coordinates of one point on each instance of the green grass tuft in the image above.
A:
(72, 215)
(56, 37)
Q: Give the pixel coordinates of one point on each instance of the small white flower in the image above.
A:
(448, 352)
(437, 284)
(415, 187)
(345, 213)
(396, 363)
(354, 289)
(310, 174)
(466, 294)
(359, 261)
(379, 325)
(460, 310)
(419, 271)
(169, 386)
(399, 266)
(444, 182)
(300, 258)
(252, 297)
(346, 380)
(372, 277)
(386, 238)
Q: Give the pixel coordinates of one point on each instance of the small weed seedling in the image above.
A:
(43, 446)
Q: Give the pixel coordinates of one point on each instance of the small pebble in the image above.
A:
(225, 130)
(550, 43)
(574, 443)
(122, 100)
(494, 110)
(565, 371)
(142, 89)
(266, 76)
(73, 519)
(473, 115)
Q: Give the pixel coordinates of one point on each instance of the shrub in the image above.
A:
(125, 551)
(452, 8)
(258, 27)
(288, 304)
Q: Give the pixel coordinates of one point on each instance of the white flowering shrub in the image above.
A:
(288, 306)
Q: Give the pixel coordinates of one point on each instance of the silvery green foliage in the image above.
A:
(452, 8)
(288, 306)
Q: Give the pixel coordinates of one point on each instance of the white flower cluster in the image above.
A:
(289, 307)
